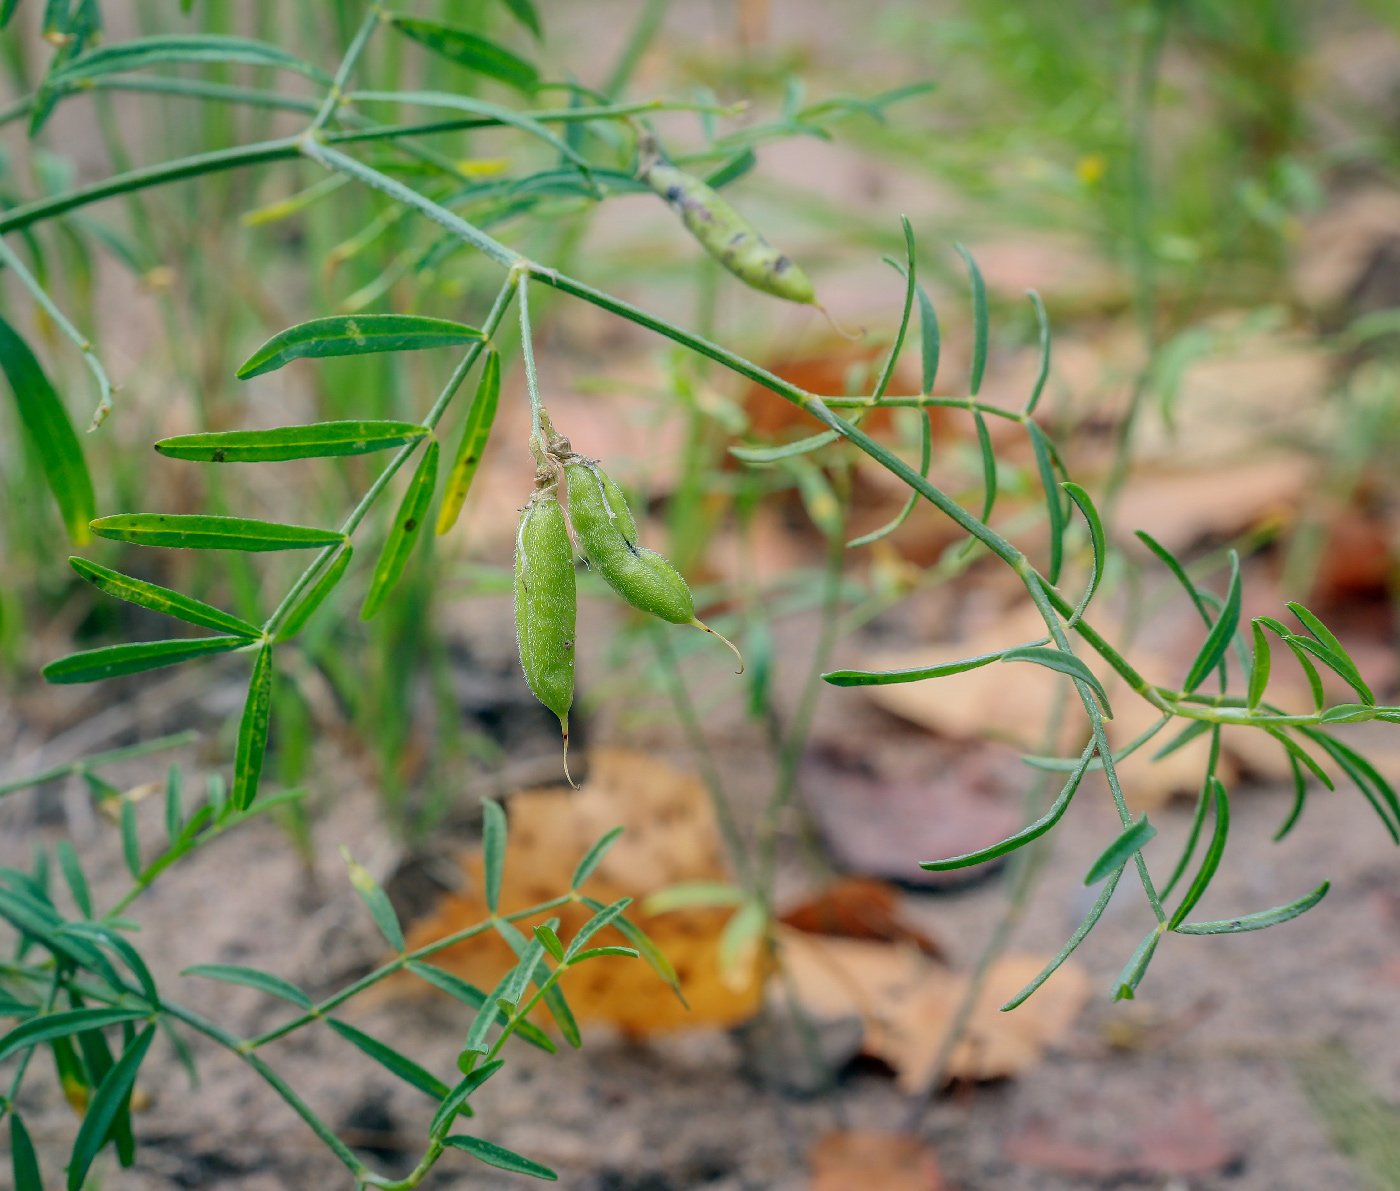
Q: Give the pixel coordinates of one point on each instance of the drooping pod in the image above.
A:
(546, 604)
(606, 533)
(725, 234)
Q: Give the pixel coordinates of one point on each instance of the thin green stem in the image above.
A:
(334, 96)
(47, 1007)
(78, 339)
(97, 760)
(714, 785)
(532, 380)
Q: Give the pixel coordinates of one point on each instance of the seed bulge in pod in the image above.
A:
(728, 236)
(640, 576)
(546, 604)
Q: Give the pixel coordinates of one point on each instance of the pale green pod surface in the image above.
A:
(601, 523)
(728, 236)
(546, 605)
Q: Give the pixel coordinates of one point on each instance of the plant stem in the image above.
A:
(336, 94)
(532, 380)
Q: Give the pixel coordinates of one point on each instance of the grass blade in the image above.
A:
(252, 733)
(318, 440)
(476, 431)
(47, 426)
(353, 335)
(1120, 851)
(1259, 921)
(390, 1059)
(161, 599)
(91, 665)
(197, 531)
(594, 856)
(408, 524)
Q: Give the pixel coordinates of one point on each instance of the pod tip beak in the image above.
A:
(564, 724)
(723, 638)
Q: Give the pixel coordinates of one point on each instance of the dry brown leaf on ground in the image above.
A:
(858, 908)
(860, 1160)
(907, 1005)
(669, 838)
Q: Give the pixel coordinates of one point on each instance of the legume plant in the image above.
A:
(76, 977)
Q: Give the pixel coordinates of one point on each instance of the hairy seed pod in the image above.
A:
(546, 604)
(728, 236)
(607, 536)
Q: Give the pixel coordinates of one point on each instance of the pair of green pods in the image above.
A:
(545, 590)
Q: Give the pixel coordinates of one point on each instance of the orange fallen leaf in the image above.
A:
(858, 908)
(860, 1160)
(908, 1003)
(670, 837)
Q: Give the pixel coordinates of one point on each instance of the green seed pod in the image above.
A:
(607, 535)
(546, 605)
(728, 236)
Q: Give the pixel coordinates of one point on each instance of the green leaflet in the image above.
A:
(354, 335)
(1214, 851)
(456, 1099)
(470, 50)
(315, 595)
(1125, 988)
(24, 1161)
(139, 53)
(919, 673)
(314, 441)
(252, 732)
(499, 1156)
(1043, 374)
(979, 321)
(469, 994)
(1120, 851)
(94, 664)
(1026, 834)
(1081, 932)
(62, 1025)
(493, 850)
(408, 524)
(161, 599)
(110, 1099)
(476, 430)
(1097, 539)
(46, 424)
(252, 978)
(528, 15)
(692, 895)
(772, 454)
(1264, 918)
(195, 531)
(1259, 667)
(594, 857)
(377, 902)
(1055, 510)
(1222, 632)
(131, 840)
(925, 457)
(480, 107)
(401, 1065)
(1065, 663)
(74, 877)
(549, 941)
(653, 954)
(521, 974)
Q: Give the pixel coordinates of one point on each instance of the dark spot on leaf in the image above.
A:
(217, 456)
(408, 525)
